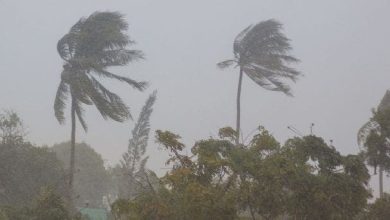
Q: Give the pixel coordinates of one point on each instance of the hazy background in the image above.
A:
(343, 46)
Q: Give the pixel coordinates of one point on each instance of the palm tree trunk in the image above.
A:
(238, 119)
(380, 182)
(72, 154)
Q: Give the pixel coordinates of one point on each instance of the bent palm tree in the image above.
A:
(261, 51)
(92, 45)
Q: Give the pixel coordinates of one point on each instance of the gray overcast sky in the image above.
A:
(343, 46)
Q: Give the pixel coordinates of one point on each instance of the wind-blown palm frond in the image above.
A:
(80, 114)
(237, 44)
(119, 108)
(91, 67)
(226, 64)
(268, 79)
(119, 57)
(67, 45)
(109, 104)
(137, 85)
(60, 101)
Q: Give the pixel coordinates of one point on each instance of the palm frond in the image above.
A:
(95, 34)
(106, 58)
(78, 92)
(67, 45)
(90, 65)
(277, 70)
(119, 57)
(80, 114)
(142, 165)
(60, 101)
(267, 79)
(103, 31)
(238, 45)
(137, 85)
(225, 64)
(109, 104)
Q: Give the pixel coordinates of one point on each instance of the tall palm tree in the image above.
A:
(374, 137)
(261, 51)
(91, 46)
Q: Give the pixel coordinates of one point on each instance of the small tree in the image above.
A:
(12, 130)
(374, 137)
(133, 162)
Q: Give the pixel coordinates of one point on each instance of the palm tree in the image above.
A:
(92, 45)
(261, 51)
(374, 136)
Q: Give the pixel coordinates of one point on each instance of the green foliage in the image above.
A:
(11, 128)
(46, 206)
(227, 132)
(24, 169)
(331, 187)
(49, 206)
(171, 142)
(179, 195)
(92, 180)
(380, 209)
(304, 179)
